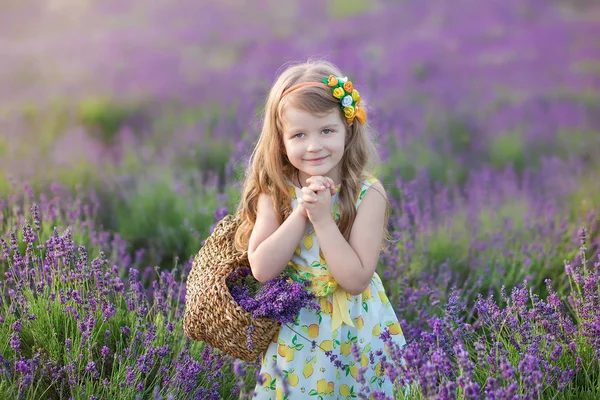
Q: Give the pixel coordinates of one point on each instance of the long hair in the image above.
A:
(269, 170)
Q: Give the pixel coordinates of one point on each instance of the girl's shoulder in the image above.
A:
(369, 181)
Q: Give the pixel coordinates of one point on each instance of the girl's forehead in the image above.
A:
(296, 117)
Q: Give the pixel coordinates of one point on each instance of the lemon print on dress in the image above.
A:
(367, 294)
(282, 350)
(290, 352)
(326, 306)
(267, 378)
(322, 258)
(359, 322)
(286, 352)
(326, 345)
(394, 328)
(353, 370)
(383, 297)
(268, 381)
(292, 192)
(312, 331)
(324, 387)
(291, 377)
(346, 348)
(308, 369)
(364, 360)
(336, 211)
(377, 330)
(346, 391)
(378, 369)
(308, 242)
(279, 394)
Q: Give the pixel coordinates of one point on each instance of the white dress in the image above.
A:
(308, 370)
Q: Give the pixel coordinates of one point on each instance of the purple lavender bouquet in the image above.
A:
(280, 299)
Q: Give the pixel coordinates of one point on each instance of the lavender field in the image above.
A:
(125, 128)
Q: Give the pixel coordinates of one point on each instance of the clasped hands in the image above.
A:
(315, 202)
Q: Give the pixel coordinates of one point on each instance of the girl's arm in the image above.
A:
(271, 244)
(353, 263)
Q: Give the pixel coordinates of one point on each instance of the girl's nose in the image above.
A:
(314, 145)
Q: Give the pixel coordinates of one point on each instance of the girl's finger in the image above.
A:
(309, 198)
(315, 183)
(315, 187)
(315, 179)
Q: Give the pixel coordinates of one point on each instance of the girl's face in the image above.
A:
(314, 144)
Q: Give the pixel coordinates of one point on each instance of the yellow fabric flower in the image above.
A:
(349, 112)
(356, 96)
(338, 93)
(332, 81)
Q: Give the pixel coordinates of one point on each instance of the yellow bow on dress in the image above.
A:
(322, 285)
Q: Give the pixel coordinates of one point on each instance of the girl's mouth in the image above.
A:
(317, 160)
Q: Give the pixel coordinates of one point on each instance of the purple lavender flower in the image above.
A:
(280, 299)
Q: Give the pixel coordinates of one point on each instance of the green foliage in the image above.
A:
(588, 97)
(460, 134)
(451, 129)
(41, 127)
(348, 8)
(3, 148)
(397, 165)
(212, 155)
(176, 116)
(586, 67)
(584, 144)
(422, 71)
(5, 186)
(507, 149)
(53, 326)
(164, 219)
(416, 157)
(451, 249)
(104, 116)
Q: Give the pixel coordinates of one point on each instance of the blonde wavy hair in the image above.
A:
(269, 169)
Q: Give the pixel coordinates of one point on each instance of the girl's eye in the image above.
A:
(297, 135)
(327, 131)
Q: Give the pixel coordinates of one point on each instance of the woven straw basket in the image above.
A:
(211, 313)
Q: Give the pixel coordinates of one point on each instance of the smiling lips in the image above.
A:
(316, 160)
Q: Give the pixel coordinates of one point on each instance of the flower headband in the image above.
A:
(342, 89)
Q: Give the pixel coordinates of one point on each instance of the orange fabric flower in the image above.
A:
(348, 87)
(332, 81)
(361, 115)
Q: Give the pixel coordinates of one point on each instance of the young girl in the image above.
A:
(311, 208)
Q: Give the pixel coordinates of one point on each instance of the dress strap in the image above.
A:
(367, 183)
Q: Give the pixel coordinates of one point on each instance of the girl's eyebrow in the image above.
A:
(294, 129)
